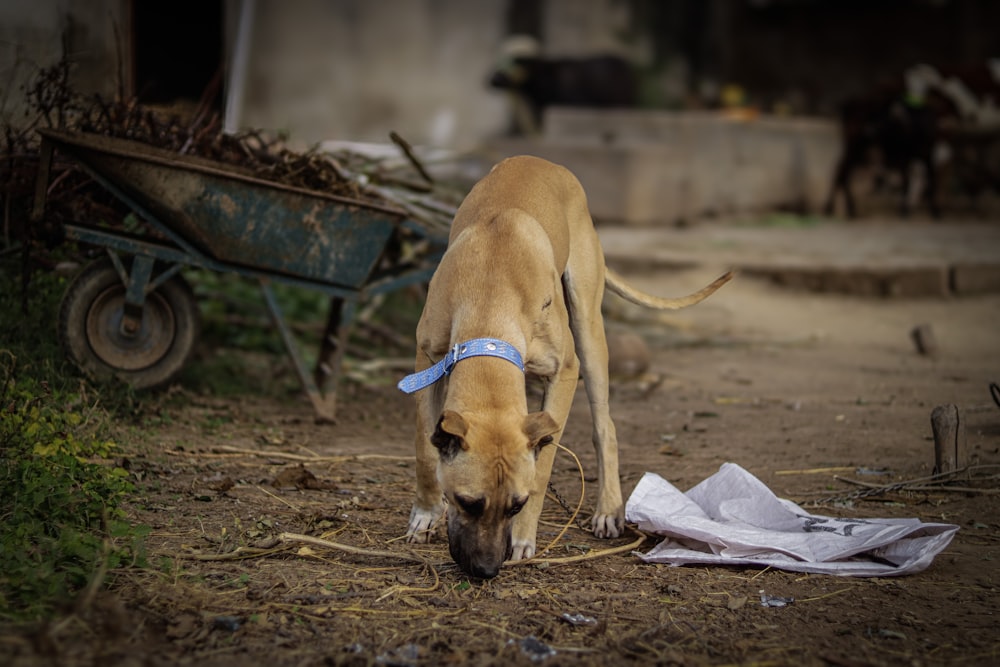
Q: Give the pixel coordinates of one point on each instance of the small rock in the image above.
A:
(628, 355)
(300, 478)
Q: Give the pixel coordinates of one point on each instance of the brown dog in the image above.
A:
(519, 290)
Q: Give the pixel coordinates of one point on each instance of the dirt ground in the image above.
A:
(780, 382)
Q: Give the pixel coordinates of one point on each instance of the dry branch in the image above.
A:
(590, 555)
(312, 459)
(358, 551)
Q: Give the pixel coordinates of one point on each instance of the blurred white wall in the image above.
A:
(319, 69)
(353, 69)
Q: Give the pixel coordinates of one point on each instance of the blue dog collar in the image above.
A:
(477, 347)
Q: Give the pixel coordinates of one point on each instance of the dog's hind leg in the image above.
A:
(609, 515)
(585, 291)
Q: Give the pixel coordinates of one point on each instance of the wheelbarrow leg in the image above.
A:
(324, 407)
(135, 291)
(42, 180)
(331, 351)
(37, 215)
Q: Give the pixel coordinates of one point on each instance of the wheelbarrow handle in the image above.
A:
(42, 180)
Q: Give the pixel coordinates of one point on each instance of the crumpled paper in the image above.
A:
(732, 518)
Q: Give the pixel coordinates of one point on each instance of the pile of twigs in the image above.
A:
(970, 480)
(200, 134)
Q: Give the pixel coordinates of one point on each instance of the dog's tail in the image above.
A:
(617, 284)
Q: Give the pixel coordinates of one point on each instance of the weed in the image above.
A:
(242, 582)
(214, 424)
(61, 523)
(60, 516)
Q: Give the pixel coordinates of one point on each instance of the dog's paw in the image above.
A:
(523, 550)
(607, 526)
(422, 523)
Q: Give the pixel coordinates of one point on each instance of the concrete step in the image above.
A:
(883, 258)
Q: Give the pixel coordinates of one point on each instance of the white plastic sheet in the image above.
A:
(732, 518)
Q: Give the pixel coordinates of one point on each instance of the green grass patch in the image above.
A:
(240, 351)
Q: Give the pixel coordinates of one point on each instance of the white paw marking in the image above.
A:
(607, 526)
(523, 550)
(421, 525)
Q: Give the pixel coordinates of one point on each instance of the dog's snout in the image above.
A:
(479, 549)
(484, 571)
(479, 564)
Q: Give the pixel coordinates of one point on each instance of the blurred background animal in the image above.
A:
(537, 82)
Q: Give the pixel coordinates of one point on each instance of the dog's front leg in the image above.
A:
(557, 401)
(429, 504)
(525, 527)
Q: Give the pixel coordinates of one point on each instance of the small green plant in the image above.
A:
(60, 517)
(62, 528)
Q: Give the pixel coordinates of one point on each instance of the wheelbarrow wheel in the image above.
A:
(91, 330)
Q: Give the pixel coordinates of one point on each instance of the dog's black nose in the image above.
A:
(484, 572)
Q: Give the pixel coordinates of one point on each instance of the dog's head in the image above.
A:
(486, 470)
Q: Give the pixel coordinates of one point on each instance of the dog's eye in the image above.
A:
(471, 506)
(516, 507)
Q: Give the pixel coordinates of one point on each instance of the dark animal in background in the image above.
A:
(971, 130)
(901, 133)
(597, 82)
(929, 116)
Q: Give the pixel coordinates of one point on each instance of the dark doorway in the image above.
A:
(177, 50)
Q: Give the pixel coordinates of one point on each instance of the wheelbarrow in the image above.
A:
(132, 315)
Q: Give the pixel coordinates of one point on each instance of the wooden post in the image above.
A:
(950, 452)
(923, 339)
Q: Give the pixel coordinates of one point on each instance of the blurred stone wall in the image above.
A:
(35, 35)
(348, 69)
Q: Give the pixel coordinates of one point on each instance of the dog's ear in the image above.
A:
(540, 427)
(449, 435)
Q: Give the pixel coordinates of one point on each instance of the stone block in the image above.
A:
(976, 278)
(659, 167)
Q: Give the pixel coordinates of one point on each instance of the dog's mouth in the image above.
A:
(478, 555)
